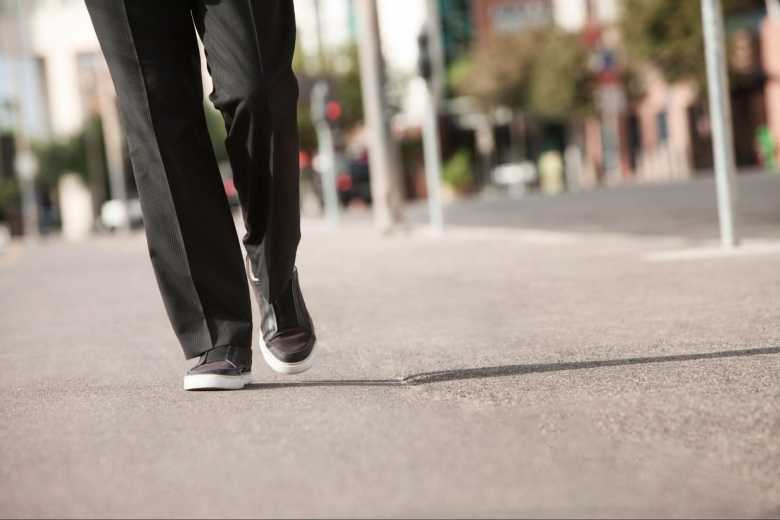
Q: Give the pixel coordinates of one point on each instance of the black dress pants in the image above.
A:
(152, 52)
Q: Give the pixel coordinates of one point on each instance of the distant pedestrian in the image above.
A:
(152, 52)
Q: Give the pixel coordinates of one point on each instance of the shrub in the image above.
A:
(458, 173)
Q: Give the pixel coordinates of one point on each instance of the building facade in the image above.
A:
(669, 131)
(666, 134)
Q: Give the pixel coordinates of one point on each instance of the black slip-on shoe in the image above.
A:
(288, 339)
(222, 368)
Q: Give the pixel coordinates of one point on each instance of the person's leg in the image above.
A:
(249, 48)
(152, 53)
(249, 51)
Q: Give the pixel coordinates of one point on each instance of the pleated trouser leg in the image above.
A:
(249, 48)
(152, 54)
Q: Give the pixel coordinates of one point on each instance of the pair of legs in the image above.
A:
(152, 52)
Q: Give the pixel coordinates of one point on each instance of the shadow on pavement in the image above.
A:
(441, 376)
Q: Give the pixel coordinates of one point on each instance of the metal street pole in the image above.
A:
(431, 149)
(385, 188)
(720, 116)
(327, 151)
(324, 66)
(436, 46)
(25, 164)
(432, 155)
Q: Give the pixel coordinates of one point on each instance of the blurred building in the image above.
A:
(770, 37)
(511, 16)
(666, 134)
(519, 15)
(60, 81)
(53, 43)
(465, 22)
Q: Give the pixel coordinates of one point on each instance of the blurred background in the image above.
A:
(528, 97)
(540, 244)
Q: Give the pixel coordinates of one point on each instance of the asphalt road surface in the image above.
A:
(491, 372)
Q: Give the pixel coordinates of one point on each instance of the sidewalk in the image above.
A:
(687, 210)
(498, 371)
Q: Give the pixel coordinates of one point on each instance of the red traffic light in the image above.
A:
(333, 111)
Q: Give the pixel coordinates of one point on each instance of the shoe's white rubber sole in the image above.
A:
(288, 369)
(216, 382)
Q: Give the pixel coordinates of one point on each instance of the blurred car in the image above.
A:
(354, 182)
(114, 214)
(516, 177)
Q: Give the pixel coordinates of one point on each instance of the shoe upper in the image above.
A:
(286, 325)
(224, 361)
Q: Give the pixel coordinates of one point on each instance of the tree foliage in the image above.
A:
(9, 196)
(348, 89)
(563, 85)
(82, 153)
(458, 172)
(343, 76)
(217, 132)
(544, 73)
(669, 35)
(65, 155)
(499, 70)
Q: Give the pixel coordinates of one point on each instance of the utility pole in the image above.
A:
(324, 66)
(431, 147)
(720, 115)
(25, 164)
(327, 150)
(436, 51)
(385, 189)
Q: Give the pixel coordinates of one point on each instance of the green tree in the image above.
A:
(562, 85)
(457, 172)
(498, 71)
(668, 34)
(347, 85)
(9, 196)
(217, 132)
(82, 153)
(58, 157)
(541, 73)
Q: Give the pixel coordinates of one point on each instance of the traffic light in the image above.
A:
(424, 61)
(324, 108)
(333, 111)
